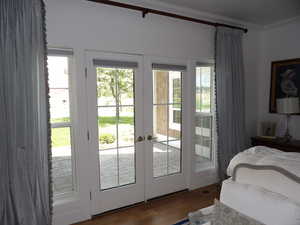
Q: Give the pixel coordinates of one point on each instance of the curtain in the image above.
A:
(24, 115)
(229, 96)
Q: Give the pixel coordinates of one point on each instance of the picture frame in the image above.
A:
(285, 81)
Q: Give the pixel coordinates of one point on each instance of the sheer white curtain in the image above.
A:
(24, 140)
(229, 95)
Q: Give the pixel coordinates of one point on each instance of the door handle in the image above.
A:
(151, 138)
(140, 139)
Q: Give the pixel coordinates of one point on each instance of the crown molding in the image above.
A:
(282, 23)
(155, 4)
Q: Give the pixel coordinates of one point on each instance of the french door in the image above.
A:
(135, 132)
(166, 159)
(115, 99)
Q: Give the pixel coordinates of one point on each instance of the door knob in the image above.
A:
(151, 138)
(140, 139)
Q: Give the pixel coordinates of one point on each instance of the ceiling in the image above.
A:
(260, 12)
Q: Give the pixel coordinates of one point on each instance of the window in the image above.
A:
(116, 125)
(167, 120)
(61, 122)
(175, 96)
(204, 116)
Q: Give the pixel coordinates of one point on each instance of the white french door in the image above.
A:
(165, 164)
(115, 86)
(135, 129)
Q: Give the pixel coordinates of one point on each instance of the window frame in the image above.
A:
(68, 53)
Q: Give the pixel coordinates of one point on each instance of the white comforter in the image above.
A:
(261, 155)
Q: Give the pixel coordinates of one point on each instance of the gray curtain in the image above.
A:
(229, 95)
(24, 115)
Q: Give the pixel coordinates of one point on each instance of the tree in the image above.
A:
(117, 83)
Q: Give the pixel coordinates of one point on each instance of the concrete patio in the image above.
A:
(164, 163)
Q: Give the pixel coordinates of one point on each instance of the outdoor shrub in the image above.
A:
(107, 138)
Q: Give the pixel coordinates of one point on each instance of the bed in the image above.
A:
(264, 184)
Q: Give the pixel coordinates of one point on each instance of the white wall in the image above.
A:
(252, 51)
(87, 25)
(278, 43)
(83, 25)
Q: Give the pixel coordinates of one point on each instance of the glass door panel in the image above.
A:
(116, 126)
(166, 122)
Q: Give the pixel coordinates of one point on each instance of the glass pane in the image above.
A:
(174, 150)
(115, 86)
(108, 168)
(160, 86)
(160, 159)
(203, 89)
(205, 99)
(174, 87)
(126, 166)
(59, 105)
(160, 122)
(61, 160)
(203, 140)
(126, 86)
(58, 69)
(106, 86)
(174, 132)
(167, 122)
(126, 126)
(198, 100)
(107, 123)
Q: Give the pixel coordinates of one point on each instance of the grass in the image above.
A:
(111, 120)
(204, 106)
(60, 120)
(61, 136)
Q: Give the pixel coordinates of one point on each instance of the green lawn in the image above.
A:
(204, 107)
(110, 120)
(61, 136)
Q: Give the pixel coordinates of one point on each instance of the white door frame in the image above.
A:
(172, 183)
(106, 200)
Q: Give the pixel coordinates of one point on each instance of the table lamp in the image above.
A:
(288, 106)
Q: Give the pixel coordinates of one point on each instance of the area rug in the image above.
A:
(183, 222)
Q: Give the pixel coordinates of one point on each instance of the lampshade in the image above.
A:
(288, 105)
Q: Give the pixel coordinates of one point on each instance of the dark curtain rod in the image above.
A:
(163, 13)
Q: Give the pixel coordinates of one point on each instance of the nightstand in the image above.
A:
(292, 146)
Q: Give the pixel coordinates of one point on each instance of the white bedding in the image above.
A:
(261, 204)
(261, 155)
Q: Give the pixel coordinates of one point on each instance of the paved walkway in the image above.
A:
(62, 172)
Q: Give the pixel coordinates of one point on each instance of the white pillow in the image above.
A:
(261, 204)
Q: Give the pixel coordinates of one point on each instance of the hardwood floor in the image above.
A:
(166, 210)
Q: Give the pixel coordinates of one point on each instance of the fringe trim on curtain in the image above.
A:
(48, 109)
(216, 103)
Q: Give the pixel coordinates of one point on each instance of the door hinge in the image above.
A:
(88, 135)
(85, 72)
(90, 195)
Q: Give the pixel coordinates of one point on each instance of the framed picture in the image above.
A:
(285, 81)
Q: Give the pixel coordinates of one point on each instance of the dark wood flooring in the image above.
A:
(166, 210)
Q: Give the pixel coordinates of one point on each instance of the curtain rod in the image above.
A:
(163, 13)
